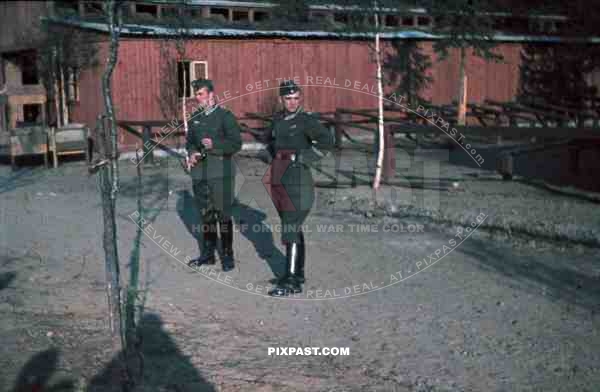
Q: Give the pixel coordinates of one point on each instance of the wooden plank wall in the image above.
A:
(235, 64)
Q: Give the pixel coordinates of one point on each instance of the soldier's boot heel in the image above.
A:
(290, 283)
(301, 258)
(208, 258)
(209, 248)
(228, 261)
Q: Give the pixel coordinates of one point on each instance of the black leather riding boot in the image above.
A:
(209, 246)
(290, 283)
(226, 228)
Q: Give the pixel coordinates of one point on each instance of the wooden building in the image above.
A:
(245, 60)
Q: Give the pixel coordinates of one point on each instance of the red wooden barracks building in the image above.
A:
(243, 58)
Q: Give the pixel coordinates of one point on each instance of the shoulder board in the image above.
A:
(226, 110)
(315, 115)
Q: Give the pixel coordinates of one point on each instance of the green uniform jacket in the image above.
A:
(302, 135)
(221, 126)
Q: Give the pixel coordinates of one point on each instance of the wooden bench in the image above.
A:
(70, 139)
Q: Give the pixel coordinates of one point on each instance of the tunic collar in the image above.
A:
(208, 111)
(290, 116)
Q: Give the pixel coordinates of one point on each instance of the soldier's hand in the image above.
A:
(194, 158)
(207, 142)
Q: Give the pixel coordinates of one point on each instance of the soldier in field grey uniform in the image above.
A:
(213, 137)
(295, 139)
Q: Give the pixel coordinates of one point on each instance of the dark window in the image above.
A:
(516, 25)
(169, 12)
(407, 21)
(193, 70)
(183, 79)
(67, 6)
(391, 20)
(423, 21)
(146, 10)
(29, 70)
(340, 17)
(499, 24)
(194, 13)
(93, 8)
(260, 16)
(560, 26)
(32, 113)
(220, 12)
(356, 19)
(239, 15)
(319, 16)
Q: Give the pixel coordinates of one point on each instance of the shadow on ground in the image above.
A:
(189, 215)
(551, 165)
(37, 375)
(17, 179)
(249, 222)
(561, 282)
(6, 279)
(164, 366)
(253, 226)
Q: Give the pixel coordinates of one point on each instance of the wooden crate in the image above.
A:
(32, 140)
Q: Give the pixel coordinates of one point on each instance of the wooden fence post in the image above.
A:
(146, 137)
(340, 117)
(389, 155)
(504, 165)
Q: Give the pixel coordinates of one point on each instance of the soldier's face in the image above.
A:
(204, 97)
(292, 101)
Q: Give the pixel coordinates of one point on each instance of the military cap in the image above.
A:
(288, 87)
(200, 83)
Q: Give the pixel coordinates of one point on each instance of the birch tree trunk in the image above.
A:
(185, 123)
(381, 144)
(56, 94)
(63, 96)
(462, 89)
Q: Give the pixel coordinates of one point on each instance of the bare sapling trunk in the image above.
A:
(462, 89)
(109, 178)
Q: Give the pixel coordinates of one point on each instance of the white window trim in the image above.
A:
(193, 75)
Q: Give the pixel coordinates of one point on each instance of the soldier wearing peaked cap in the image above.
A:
(295, 139)
(213, 137)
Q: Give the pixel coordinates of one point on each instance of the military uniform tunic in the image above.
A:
(214, 177)
(295, 143)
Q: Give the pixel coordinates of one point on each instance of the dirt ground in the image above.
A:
(450, 279)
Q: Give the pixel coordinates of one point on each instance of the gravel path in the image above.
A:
(512, 305)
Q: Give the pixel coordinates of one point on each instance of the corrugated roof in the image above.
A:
(158, 31)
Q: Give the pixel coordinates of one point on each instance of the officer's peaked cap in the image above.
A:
(288, 87)
(200, 83)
